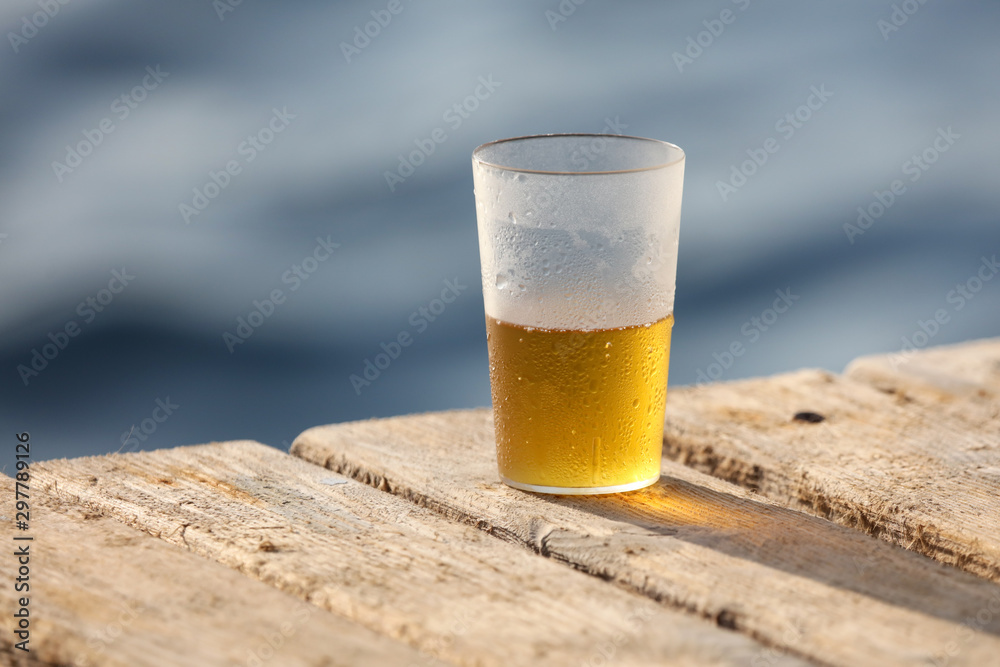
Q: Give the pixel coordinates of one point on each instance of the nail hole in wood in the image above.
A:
(726, 619)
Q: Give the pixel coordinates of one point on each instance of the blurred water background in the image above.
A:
(149, 354)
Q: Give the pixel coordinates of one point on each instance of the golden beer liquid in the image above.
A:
(579, 409)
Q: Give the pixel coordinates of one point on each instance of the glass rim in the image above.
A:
(663, 165)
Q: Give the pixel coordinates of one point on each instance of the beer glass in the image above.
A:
(578, 245)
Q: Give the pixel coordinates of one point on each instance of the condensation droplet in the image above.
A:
(512, 218)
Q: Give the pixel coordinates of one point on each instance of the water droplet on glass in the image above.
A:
(501, 283)
(512, 218)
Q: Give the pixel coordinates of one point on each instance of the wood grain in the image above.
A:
(958, 381)
(692, 541)
(401, 570)
(892, 468)
(106, 594)
(969, 371)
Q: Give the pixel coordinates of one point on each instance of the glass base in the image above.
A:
(581, 490)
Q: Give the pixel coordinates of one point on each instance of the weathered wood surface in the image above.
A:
(923, 474)
(967, 371)
(106, 594)
(961, 381)
(406, 572)
(693, 541)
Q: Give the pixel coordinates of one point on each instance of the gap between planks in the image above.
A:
(403, 571)
(908, 452)
(692, 541)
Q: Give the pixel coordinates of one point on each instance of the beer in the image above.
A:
(567, 245)
(578, 409)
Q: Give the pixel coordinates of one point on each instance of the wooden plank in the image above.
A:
(404, 571)
(691, 541)
(893, 469)
(102, 593)
(968, 370)
(961, 381)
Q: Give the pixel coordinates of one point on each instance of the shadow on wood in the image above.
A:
(798, 544)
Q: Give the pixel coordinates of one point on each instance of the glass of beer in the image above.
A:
(578, 244)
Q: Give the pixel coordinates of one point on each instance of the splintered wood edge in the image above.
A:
(129, 599)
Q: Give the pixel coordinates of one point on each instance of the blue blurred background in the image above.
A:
(79, 202)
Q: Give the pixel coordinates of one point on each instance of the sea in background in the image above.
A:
(168, 95)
